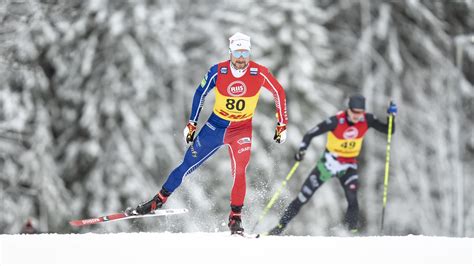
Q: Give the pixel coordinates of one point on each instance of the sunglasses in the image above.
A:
(357, 112)
(238, 54)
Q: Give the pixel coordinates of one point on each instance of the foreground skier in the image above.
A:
(237, 85)
(345, 137)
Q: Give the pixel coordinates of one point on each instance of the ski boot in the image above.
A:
(351, 226)
(147, 207)
(277, 230)
(353, 229)
(235, 221)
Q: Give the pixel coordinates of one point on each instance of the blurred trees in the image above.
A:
(94, 95)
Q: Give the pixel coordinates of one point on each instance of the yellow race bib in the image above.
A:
(235, 108)
(347, 148)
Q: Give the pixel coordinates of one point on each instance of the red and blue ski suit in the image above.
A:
(230, 123)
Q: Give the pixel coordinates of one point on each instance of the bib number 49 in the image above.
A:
(232, 104)
(348, 144)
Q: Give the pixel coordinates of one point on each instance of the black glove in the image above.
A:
(299, 156)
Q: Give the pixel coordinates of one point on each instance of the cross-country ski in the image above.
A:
(125, 216)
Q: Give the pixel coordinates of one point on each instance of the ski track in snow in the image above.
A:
(223, 249)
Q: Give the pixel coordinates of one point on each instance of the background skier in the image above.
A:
(346, 134)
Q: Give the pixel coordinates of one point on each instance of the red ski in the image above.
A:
(124, 216)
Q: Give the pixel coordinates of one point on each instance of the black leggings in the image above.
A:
(349, 182)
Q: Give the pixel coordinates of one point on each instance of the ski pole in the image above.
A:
(277, 194)
(387, 167)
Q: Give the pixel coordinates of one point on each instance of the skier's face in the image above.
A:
(355, 115)
(240, 58)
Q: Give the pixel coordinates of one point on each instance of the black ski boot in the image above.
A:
(235, 221)
(147, 207)
(277, 230)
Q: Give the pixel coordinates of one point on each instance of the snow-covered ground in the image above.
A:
(222, 249)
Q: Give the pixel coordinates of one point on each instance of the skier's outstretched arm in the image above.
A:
(207, 84)
(323, 127)
(271, 84)
(374, 122)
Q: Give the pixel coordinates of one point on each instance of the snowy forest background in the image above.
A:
(95, 95)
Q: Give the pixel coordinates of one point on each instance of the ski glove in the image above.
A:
(299, 156)
(392, 109)
(280, 133)
(189, 132)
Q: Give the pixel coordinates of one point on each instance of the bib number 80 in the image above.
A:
(232, 104)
